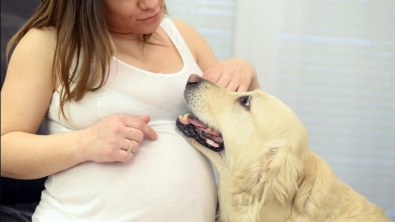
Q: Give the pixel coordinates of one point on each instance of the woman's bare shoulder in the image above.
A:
(190, 35)
(188, 32)
(198, 46)
(42, 36)
(33, 54)
(49, 30)
(182, 26)
(38, 44)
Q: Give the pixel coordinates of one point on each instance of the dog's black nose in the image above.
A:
(193, 79)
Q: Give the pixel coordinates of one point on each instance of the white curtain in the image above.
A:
(214, 19)
(332, 62)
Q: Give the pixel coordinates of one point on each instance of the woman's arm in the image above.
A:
(25, 98)
(234, 74)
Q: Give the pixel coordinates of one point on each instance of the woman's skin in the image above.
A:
(28, 89)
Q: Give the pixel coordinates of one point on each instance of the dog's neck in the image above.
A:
(234, 202)
(240, 192)
(241, 203)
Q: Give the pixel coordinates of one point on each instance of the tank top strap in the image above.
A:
(168, 25)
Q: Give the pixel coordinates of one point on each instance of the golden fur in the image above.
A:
(267, 171)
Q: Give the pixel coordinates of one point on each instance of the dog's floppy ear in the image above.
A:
(285, 171)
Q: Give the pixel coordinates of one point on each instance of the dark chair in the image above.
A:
(19, 198)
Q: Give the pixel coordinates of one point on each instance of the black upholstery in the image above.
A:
(21, 191)
(18, 212)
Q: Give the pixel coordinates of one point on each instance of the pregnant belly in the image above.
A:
(164, 175)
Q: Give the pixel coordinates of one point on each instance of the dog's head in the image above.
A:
(251, 135)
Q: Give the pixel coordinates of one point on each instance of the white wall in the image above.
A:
(214, 19)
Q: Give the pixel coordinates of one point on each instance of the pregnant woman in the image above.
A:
(109, 75)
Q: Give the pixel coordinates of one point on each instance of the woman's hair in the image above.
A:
(82, 37)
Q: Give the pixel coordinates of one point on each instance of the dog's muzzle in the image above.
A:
(193, 128)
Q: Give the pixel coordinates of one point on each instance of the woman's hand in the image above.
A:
(108, 140)
(234, 74)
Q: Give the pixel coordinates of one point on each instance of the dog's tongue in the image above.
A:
(196, 122)
(188, 119)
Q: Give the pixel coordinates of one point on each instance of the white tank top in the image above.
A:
(167, 179)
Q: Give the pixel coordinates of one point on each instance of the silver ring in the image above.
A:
(130, 147)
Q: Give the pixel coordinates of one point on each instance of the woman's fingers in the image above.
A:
(233, 86)
(123, 156)
(243, 88)
(233, 74)
(139, 124)
(214, 73)
(109, 139)
(135, 146)
(227, 77)
(145, 118)
(126, 144)
(133, 134)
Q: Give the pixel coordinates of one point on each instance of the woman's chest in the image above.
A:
(158, 55)
(159, 96)
(130, 94)
(159, 59)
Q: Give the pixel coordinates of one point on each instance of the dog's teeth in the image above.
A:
(211, 143)
(185, 118)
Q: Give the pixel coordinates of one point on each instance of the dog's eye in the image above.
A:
(245, 101)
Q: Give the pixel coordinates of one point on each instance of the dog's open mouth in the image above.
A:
(205, 135)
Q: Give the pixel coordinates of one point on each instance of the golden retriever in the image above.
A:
(267, 171)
